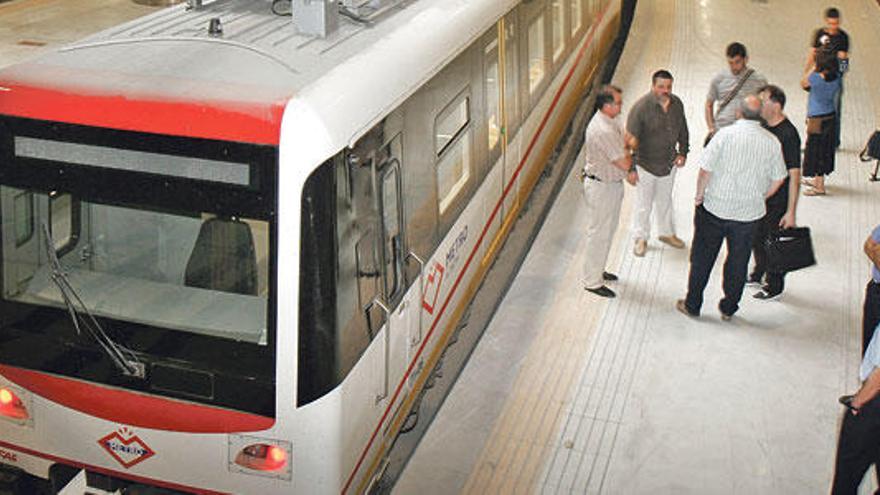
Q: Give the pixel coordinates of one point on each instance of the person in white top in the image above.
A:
(858, 445)
(608, 164)
(739, 169)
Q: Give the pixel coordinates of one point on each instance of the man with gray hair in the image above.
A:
(739, 169)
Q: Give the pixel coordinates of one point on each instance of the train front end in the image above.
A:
(138, 278)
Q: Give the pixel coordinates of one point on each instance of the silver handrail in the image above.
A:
(421, 263)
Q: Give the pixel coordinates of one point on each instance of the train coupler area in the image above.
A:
(14, 481)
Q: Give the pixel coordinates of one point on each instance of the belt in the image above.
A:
(592, 177)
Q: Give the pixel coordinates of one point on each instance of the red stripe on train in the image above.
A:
(135, 409)
(257, 123)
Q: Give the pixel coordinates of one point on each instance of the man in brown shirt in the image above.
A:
(659, 133)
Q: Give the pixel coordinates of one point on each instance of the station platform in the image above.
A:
(571, 393)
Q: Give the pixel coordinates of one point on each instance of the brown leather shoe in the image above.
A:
(672, 240)
(640, 247)
(682, 308)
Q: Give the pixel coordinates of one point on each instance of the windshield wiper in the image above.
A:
(122, 357)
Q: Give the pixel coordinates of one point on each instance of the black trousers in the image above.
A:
(870, 313)
(709, 233)
(770, 222)
(858, 446)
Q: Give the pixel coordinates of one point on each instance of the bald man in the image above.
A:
(740, 168)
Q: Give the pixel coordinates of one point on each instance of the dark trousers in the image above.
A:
(858, 446)
(838, 105)
(870, 313)
(770, 222)
(709, 232)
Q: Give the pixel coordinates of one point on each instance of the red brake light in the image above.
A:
(11, 406)
(262, 457)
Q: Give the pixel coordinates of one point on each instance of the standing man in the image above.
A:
(858, 445)
(782, 205)
(608, 164)
(871, 308)
(729, 87)
(740, 168)
(834, 40)
(659, 136)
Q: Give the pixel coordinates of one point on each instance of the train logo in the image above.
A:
(435, 279)
(126, 447)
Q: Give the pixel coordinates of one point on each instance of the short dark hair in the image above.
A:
(827, 62)
(661, 74)
(736, 49)
(775, 93)
(606, 95)
(832, 13)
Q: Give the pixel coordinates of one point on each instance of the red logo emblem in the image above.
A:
(126, 447)
(435, 278)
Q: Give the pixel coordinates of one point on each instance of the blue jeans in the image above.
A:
(709, 232)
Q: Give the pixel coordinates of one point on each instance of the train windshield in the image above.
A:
(158, 249)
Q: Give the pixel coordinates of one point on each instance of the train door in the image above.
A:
(401, 305)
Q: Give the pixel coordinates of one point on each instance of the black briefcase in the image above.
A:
(789, 250)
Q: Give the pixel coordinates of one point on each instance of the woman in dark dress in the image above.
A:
(823, 83)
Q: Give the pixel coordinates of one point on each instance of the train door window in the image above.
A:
(367, 267)
(557, 11)
(511, 73)
(537, 55)
(23, 216)
(391, 230)
(452, 145)
(577, 17)
(63, 222)
(493, 96)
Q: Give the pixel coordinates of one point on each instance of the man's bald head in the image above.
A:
(750, 108)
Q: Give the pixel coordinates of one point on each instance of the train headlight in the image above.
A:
(11, 405)
(261, 456)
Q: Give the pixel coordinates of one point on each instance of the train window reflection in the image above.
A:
(577, 15)
(493, 98)
(190, 272)
(557, 10)
(23, 213)
(537, 60)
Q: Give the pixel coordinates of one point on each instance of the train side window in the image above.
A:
(557, 11)
(511, 72)
(23, 215)
(577, 17)
(493, 96)
(537, 57)
(452, 145)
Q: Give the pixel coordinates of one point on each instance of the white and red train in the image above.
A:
(231, 254)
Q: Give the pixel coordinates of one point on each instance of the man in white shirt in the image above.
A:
(739, 169)
(858, 445)
(608, 164)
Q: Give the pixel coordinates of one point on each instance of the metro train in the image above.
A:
(232, 252)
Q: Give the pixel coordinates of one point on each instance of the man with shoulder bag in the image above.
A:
(729, 87)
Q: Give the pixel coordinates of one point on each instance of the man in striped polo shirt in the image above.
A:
(739, 169)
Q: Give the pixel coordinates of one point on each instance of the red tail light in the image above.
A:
(262, 457)
(10, 405)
